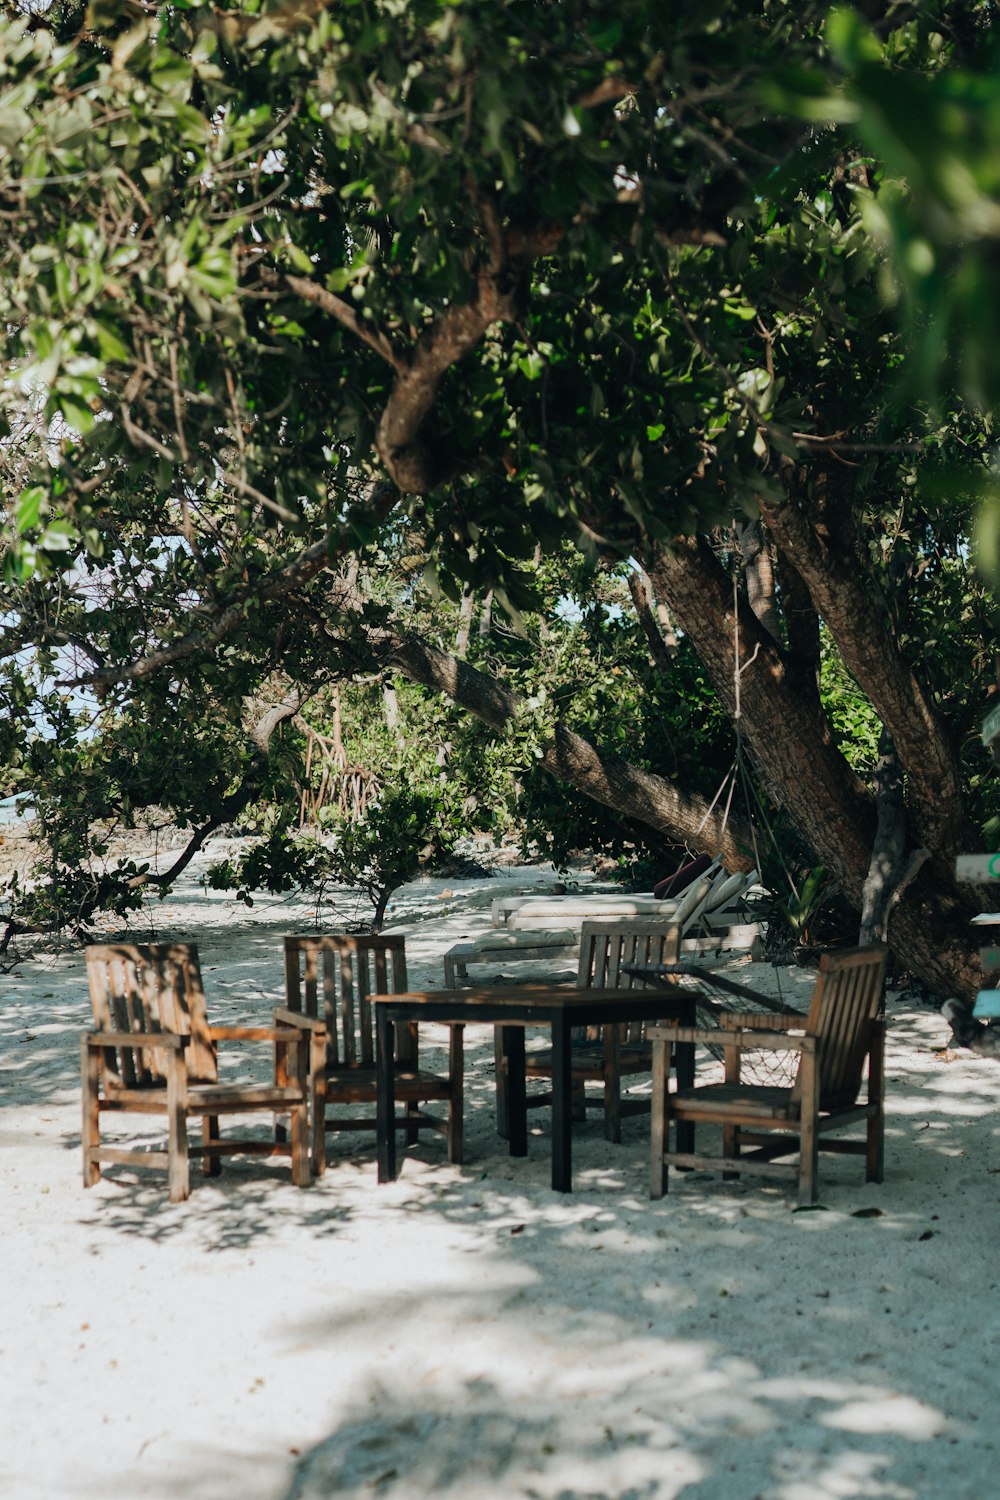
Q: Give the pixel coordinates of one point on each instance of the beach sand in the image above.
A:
(465, 1331)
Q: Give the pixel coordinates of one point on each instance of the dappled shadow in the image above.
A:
(250, 1204)
(625, 1408)
(485, 1335)
(701, 1430)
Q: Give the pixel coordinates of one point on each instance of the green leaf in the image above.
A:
(29, 508)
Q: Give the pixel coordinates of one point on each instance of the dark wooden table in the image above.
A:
(512, 1009)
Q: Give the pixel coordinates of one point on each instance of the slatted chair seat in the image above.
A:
(841, 1034)
(359, 1084)
(329, 980)
(765, 1101)
(222, 1098)
(154, 1053)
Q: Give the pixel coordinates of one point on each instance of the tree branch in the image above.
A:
(649, 799)
(863, 632)
(232, 611)
(336, 307)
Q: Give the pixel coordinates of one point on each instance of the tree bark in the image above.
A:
(843, 595)
(891, 869)
(660, 639)
(794, 749)
(638, 794)
(759, 573)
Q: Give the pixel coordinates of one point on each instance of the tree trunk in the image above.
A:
(891, 868)
(654, 620)
(844, 596)
(793, 747)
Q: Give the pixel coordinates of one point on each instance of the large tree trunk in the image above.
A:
(845, 595)
(793, 747)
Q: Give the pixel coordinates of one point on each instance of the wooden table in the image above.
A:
(512, 1009)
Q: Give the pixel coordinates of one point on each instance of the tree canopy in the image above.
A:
(306, 311)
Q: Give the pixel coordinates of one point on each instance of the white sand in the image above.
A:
(465, 1331)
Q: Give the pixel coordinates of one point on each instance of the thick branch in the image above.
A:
(647, 798)
(759, 576)
(662, 647)
(802, 638)
(802, 768)
(232, 611)
(863, 633)
(399, 441)
(336, 307)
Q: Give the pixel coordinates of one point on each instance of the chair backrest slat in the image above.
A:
(346, 971)
(150, 987)
(844, 1007)
(606, 946)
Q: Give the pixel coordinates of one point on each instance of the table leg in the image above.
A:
(385, 1089)
(562, 1165)
(512, 1043)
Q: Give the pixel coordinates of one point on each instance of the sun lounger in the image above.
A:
(532, 932)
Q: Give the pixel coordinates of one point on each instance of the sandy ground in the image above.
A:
(466, 1332)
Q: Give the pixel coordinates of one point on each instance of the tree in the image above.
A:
(490, 278)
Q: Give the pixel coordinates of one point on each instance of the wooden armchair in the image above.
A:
(841, 1031)
(611, 1053)
(154, 1053)
(328, 981)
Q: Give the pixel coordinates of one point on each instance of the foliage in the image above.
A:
(802, 907)
(403, 832)
(414, 295)
(924, 99)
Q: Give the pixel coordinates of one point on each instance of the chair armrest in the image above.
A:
(772, 1041)
(285, 1017)
(741, 1020)
(168, 1039)
(254, 1034)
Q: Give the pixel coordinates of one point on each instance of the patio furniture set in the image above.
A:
(347, 1038)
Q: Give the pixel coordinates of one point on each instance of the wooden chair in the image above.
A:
(841, 1031)
(154, 1053)
(613, 1052)
(328, 980)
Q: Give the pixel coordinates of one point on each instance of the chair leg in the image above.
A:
(503, 1112)
(613, 1110)
(317, 1103)
(301, 1170)
(178, 1170)
(808, 1135)
(730, 1149)
(456, 1101)
(578, 1108)
(658, 1126)
(875, 1136)
(411, 1115)
(875, 1149)
(90, 1067)
(612, 1086)
(211, 1165)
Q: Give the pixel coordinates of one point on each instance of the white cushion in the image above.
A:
(562, 937)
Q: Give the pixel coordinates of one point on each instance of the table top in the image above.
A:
(537, 1002)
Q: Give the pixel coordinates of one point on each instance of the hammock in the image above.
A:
(776, 1069)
